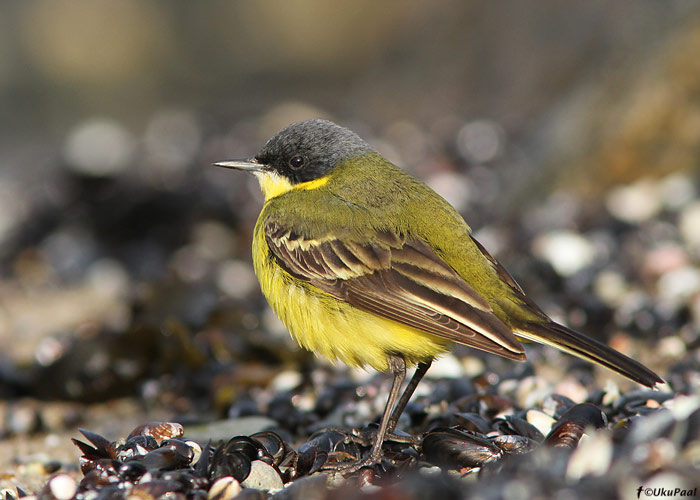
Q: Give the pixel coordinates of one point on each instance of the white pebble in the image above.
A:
(224, 488)
(635, 203)
(286, 381)
(236, 279)
(610, 287)
(99, 147)
(689, 225)
(677, 190)
(455, 188)
(262, 477)
(480, 141)
(566, 251)
(592, 457)
(678, 285)
(63, 487)
(540, 420)
(447, 366)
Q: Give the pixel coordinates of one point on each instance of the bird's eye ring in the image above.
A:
(296, 162)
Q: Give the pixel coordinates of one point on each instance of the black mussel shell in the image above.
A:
(572, 425)
(456, 449)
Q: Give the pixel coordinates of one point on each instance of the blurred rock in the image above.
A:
(99, 147)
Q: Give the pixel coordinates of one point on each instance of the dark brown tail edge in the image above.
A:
(584, 347)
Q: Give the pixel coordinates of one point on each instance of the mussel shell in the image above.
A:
(156, 488)
(163, 459)
(557, 404)
(511, 424)
(314, 453)
(571, 426)
(132, 470)
(515, 445)
(244, 445)
(456, 450)
(473, 422)
(233, 463)
(158, 430)
(180, 447)
(272, 444)
(102, 447)
(136, 445)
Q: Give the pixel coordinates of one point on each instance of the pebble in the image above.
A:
(566, 251)
(677, 190)
(540, 420)
(61, 487)
(286, 381)
(262, 477)
(689, 225)
(236, 279)
(677, 286)
(455, 188)
(635, 203)
(610, 287)
(447, 366)
(592, 457)
(224, 488)
(480, 141)
(99, 147)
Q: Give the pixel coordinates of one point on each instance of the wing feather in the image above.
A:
(398, 278)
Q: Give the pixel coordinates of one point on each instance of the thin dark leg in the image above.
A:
(407, 393)
(397, 365)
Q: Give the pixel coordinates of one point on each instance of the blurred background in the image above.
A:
(567, 133)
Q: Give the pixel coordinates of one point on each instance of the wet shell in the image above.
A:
(158, 430)
(456, 450)
(572, 425)
(515, 445)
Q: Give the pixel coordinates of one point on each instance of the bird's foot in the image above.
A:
(348, 469)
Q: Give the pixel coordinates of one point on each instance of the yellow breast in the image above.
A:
(331, 327)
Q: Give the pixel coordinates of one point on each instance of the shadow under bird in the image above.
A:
(365, 263)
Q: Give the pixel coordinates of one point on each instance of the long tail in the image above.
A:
(573, 342)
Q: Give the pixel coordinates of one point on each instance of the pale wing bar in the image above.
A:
(401, 280)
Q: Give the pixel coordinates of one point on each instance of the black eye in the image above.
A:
(296, 162)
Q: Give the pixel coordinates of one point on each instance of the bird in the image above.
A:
(366, 264)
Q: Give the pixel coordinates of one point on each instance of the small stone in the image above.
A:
(447, 366)
(262, 477)
(680, 284)
(635, 203)
(677, 190)
(286, 381)
(566, 251)
(689, 225)
(541, 421)
(592, 457)
(62, 487)
(224, 488)
(611, 287)
(572, 389)
(99, 147)
(236, 279)
(480, 141)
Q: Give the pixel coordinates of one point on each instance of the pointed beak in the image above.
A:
(249, 164)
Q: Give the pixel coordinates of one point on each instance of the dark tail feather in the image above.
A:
(576, 343)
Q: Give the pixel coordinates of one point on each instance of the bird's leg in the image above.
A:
(397, 365)
(406, 396)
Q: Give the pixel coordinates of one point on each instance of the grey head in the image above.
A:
(308, 150)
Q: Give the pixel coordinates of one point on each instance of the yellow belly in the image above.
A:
(332, 328)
